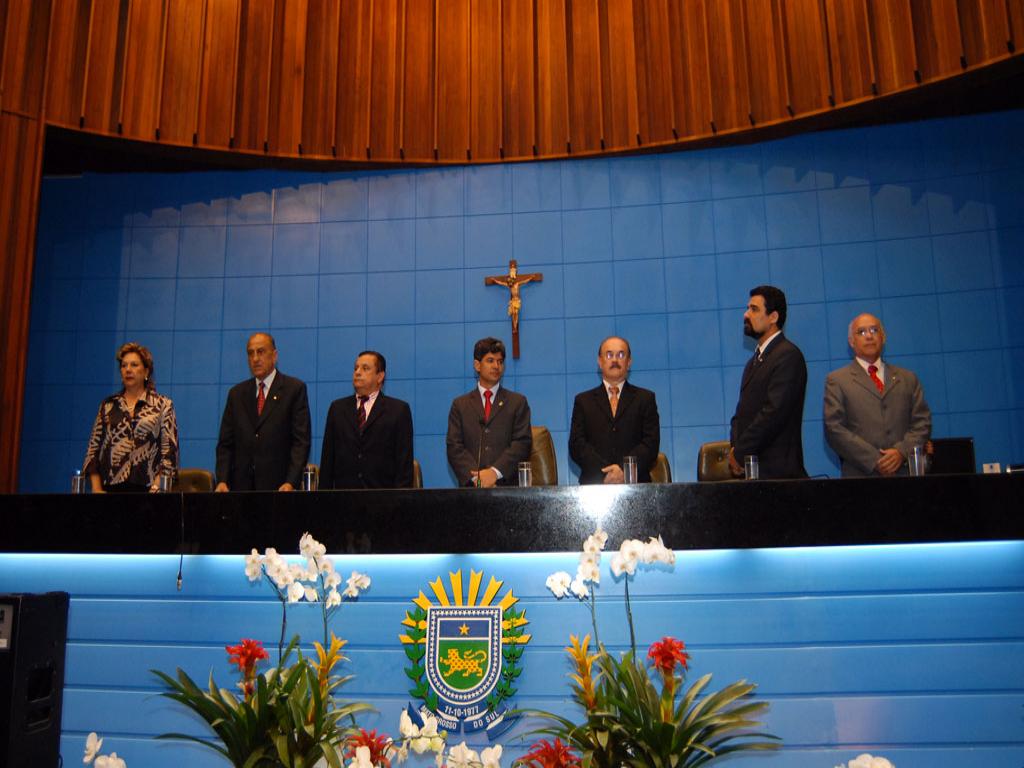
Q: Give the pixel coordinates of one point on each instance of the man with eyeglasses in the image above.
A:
(875, 412)
(613, 420)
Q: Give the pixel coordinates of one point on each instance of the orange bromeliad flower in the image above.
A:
(584, 676)
(668, 652)
(548, 755)
(379, 747)
(327, 658)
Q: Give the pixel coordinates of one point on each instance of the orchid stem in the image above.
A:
(593, 618)
(284, 623)
(629, 617)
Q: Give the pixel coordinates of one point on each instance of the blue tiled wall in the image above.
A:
(911, 651)
(921, 223)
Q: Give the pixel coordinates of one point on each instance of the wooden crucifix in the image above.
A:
(512, 281)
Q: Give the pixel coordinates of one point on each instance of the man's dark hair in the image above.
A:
(382, 364)
(488, 346)
(774, 301)
(629, 351)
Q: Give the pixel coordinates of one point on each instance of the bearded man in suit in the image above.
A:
(264, 432)
(368, 436)
(875, 412)
(488, 427)
(769, 413)
(613, 420)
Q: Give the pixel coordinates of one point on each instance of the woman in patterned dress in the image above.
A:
(135, 436)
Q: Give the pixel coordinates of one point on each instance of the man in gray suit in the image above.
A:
(874, 412)
(489, 427)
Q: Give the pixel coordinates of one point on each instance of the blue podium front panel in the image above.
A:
(915, 652)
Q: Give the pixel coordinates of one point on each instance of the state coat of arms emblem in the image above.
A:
(465, 647)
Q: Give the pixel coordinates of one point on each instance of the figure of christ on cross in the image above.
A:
(512, 281)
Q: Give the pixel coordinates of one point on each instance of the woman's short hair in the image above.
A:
(145, 355)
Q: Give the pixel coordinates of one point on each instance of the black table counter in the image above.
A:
(792, 513)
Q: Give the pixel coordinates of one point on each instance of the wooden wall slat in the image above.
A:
(27, 27)
(66, 78)
(256, 24)
(586, 118)
(619, 72)
(320, 79)
(351, 137)
(730, 89)
(937, 37)
(552, 118)
(892, 38)
(691, 76)
(287, 76)
(101, 97)
(141, 96)
(807, 58)
(182, 65)
(766, 71)
(418, 90)
(984, 29)
(384, 81)
(850, 48)
(1015, 12)
(453, 75)
(518, 96)
(485, 81)
(653, 64)
(217, 96)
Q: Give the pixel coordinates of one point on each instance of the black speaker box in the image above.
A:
(33, 635)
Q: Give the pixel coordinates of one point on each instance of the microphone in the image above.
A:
(480, 450)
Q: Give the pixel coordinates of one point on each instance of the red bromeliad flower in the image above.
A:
(246, 654)
(667, 653)
(379, 746)
(548, 755)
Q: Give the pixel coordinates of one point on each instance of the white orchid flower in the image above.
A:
(110, 761)
(311, 594)
(356, 582)
(252, 566)
(655, 551)
(589, 572)
(93, 744)
(333, 599)
(332, 580)
(462, 756)
(558, 583)
(429, 724)
(402, 753)
(590, 558)
(295, 592)
(406, 727)
(297, 571)
(362, 758)
(491, 757)
(310, 547)
(627, 558)
(578, 588)
(326, 565)
(867, 761)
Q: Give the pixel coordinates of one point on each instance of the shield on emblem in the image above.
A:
(463, 652)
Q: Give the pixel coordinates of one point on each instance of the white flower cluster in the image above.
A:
(93, 744)
(631, 553)
(426, 738)
(315, 581)
(867, 761)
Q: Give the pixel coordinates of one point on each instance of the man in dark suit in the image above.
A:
(770, 409)
(368, 436)
(874, 412)
(488, 428)
(264, 433)
(614, 419)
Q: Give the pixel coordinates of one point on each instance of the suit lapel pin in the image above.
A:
(501, 403)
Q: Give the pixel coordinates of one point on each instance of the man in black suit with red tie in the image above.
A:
(488, 428)
(613, 420)
(368, 435)
(769, 413)
(264, 433)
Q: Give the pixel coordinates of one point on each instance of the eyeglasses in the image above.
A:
(609, 355)
(871, 330)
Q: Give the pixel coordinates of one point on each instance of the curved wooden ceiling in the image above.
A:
(444, 81)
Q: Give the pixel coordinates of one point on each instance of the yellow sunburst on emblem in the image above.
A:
(469, 598)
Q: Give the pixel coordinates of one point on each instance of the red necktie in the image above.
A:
(260, 400)
(873, 373)
(487, 404)
(361, 413)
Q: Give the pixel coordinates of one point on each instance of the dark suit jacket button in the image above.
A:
(359, 455)
(487, 429)
(257, 434)
(360, 475)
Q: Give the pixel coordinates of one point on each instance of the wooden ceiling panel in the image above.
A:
(940, 50)
(769, 93)
(352, 138)
(220, 64)
(104, 63)
(518, 77)
(806, 55)
(143, 69)
(320, 80)
(586, 114)
(655, 107)
(618, 73)
(179, 98)
(287, 77)
(891, 26)
(850, 49)
(552, 80)
(727, 61)
(418, 116)
(252, 92)
(485, 78)
(69, 41)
